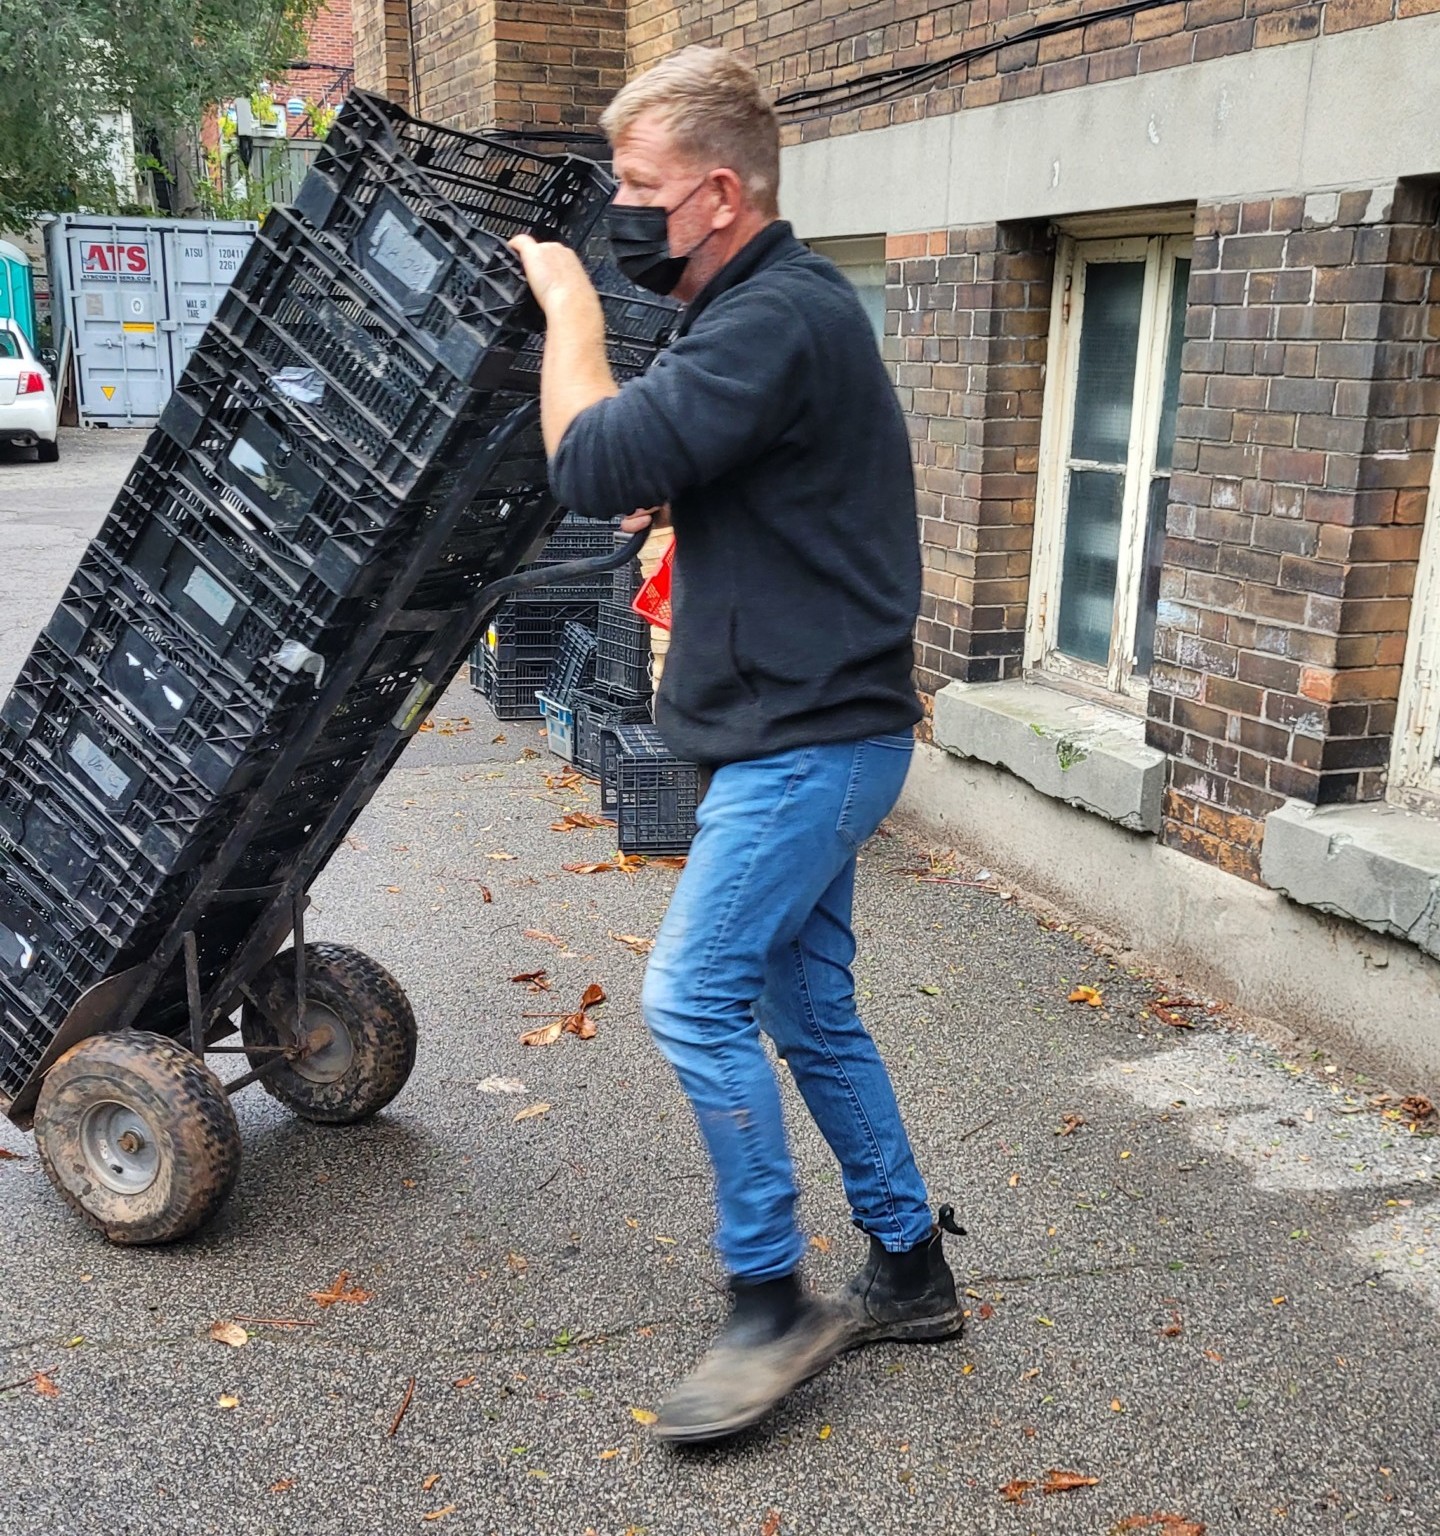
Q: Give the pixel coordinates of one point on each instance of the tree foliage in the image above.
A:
(66, 66)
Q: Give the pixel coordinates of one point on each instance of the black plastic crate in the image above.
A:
(595, 713)
(625, 583)
(317, 332)
(573, 665)
(655, 794)
(375, 150)
(529, 625)
(509, 686)
(622, 655)
(49, 955)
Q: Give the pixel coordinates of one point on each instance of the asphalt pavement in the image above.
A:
(1202, 1272)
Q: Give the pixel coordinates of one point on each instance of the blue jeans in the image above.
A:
(758, 937)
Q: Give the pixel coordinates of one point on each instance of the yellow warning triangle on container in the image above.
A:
(108, 390)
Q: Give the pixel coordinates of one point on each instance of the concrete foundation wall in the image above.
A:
(1373, 1000)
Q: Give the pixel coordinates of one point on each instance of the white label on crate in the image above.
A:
(105, 771)
(402, 255)
(205, 592)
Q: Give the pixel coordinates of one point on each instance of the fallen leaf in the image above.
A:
(518, 1263)
(1215, 1356)
(643, 1416)
(580, 1024)
(537, 981)
(820, 1243)
(501, 1085)
(283, 1486)
(546, 1034)
(1417, 1107)
(1031, 1374)
(394, 889)
(930, 991)
(428, 1483)
(1116, 1406)
(76, 1342)
(1069, 1124)
(549, 938)
(439, 1514)
(1066, 1482)
(592, 996)
(1166, 1016)
(634, 943)
(609, 1455)
(604, 867)
(500, 855)
(1086, 995)
(986, 1312)
(1170, 1525)
(579, 821)
(498, 741)
(229, 1333)
(1015, 1490)
(825, 1432)
(1013, 1180)
(227, 1401)
(770, 1525)
(485, 896)
(668, 861)
(43, 1385)
(353, 1297)
(7, 1156)
(533, 1111)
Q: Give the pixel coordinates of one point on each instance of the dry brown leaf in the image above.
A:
(634, 943)
(643, 1416)
(534, 981)
(394, 889)
(485, 896)
(227, 1400)
(1086, 995)
(533, 1112)
(1214, 1356)
(669, 861)
(1064, 1482)
(351, 1297)
(462, 1382)
(579, 821)
(770, 1525)
(592, 996)
(609, 1455)
(1174, 1020)
(1015, 1490)
(546, 1034)
(43, 1385)
(428, 1483)
(986, 1312)
(1069, 1124)
(549, 938)
(1170, 1525)
(1416, 1107)
(579, 1023)
(229, 1333)
(604, 867)
(821, 1244)
(518, 1262)
(7, 1156)
(500, 855)
(439, 1514)
(283, 1486)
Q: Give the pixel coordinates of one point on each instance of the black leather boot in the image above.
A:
(908, 1297)
(777, 1336)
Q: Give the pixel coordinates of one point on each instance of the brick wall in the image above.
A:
(1309, 398)
(968, 313)
(821, 43)
(327, 67)
(382, 48)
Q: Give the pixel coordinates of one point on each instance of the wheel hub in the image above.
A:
(120, 1148)
(327, 1052)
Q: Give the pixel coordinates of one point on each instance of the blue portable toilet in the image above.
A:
(17, 290)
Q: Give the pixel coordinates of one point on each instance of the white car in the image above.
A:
(29, 416)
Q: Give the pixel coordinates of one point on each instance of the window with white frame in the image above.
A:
(1111, 391)
(862, 259)
(1415, 749)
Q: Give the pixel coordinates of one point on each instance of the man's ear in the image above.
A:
(732, 197)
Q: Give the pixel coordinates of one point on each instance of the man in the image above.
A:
(770, 429)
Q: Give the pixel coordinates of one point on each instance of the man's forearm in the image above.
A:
(575, 373)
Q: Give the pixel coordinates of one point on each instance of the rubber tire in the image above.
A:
(185, 1105)
(47, 453)
(374, 1011)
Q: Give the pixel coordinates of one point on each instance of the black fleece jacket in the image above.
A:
(771, 428)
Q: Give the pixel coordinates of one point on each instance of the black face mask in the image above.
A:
(640, 238)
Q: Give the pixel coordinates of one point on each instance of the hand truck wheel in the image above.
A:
(138, 1135)
(358, 1035)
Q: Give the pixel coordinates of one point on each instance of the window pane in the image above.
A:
(1165, 447)
(1109, 341)
(1087, 576)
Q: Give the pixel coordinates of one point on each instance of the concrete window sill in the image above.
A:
(1375, 864)
(1082, 753)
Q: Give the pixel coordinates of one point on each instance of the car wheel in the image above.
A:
(48, 453)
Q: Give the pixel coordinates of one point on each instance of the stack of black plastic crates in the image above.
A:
(377, 353)
(604, 705)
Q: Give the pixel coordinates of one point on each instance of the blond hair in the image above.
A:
(717, 114)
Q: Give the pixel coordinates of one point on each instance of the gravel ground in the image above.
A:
(1217, 1295)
